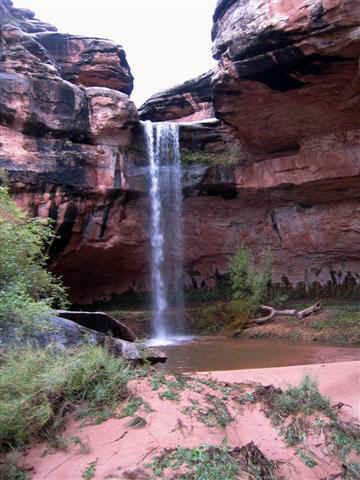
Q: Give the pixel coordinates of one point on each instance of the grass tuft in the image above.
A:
(305, 399)
(213, 463)
(37, 387)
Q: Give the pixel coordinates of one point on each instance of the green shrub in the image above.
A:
(250, 287)
(27, 289)
(228, 157)
(37, 385)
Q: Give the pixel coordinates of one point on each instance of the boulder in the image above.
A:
(99, 321)
(68, 334)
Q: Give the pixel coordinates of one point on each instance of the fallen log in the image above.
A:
(300, 314)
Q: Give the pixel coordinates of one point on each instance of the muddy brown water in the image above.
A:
(220, 353)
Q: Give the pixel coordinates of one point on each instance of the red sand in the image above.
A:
(117, 447)
(338, 381)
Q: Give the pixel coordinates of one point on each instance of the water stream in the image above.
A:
(166, 230)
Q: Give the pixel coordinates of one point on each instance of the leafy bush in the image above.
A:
(250, 287)
(36, 386)
(27, 289)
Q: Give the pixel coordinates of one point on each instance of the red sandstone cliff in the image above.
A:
(288, 83)
(286, 89)
(187, 102)
(66, 128)
(286, 95)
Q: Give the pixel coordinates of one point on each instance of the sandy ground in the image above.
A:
(121, 451)
(338, 381)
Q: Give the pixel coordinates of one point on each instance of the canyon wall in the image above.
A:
(286, 91)
(288, 83)
(67, 130)
(278, 169)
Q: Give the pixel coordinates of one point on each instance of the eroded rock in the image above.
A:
(189, 101)
(277, 171)
(111, 114)
(91, 62)
(287, 72)
(22, 17)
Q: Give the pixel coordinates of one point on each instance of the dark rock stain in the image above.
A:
(274, 225)
(316, 15)
(279, 70)
(107, 209)
(64, 231)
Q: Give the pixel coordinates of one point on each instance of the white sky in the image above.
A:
(166, 41)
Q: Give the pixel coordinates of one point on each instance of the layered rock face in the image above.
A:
(277, 171)
(286, 93)
(191, 105)
(288, 72)
(190, 101)
(288, 83)
(67, 128)
(74, 151)
(91, 62)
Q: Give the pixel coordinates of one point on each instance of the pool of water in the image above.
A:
(221, 353)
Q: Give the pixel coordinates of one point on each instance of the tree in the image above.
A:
(27, 289)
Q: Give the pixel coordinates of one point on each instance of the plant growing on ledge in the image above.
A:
(27, 289)
(192, 157)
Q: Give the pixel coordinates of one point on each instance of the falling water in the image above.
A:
(162, 140)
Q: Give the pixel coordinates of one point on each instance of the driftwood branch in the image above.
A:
(300, 314)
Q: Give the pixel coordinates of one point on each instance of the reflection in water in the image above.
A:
(220, 353)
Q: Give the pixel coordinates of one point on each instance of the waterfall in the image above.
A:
(166, 230)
